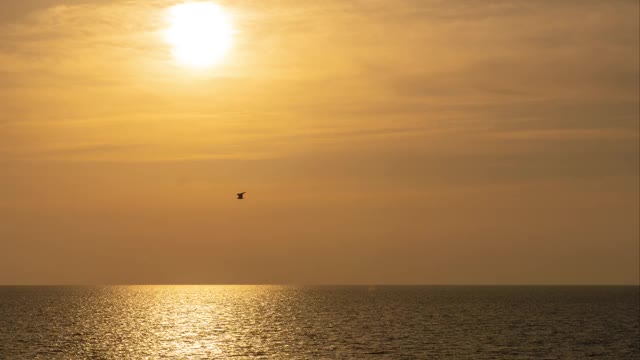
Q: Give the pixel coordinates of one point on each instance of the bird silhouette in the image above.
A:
(241, 195)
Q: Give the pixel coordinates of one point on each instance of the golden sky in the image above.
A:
(378, 141)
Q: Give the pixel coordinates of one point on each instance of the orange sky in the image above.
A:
(381, 141)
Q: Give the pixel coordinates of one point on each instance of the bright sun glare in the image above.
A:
(200, 33)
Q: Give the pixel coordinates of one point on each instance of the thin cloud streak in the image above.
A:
(417, 130)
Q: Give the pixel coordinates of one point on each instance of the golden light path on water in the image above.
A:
(194, 321)
(311, 322)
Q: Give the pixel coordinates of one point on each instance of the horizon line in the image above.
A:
(334, 284)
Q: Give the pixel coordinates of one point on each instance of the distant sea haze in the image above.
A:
(319, 322)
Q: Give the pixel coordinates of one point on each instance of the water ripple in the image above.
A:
(279, 322)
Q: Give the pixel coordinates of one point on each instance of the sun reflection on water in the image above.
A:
(278, 322)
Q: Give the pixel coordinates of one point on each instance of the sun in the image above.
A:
(200, 33)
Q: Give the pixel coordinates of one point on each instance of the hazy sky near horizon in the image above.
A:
(382, 141)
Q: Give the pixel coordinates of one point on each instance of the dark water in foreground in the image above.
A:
(273, 322)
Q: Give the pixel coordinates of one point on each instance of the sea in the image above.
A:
(319, 322)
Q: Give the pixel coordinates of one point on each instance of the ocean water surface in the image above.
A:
(326, 322)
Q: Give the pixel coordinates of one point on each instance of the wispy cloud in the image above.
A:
(306, 75)
(397, 132)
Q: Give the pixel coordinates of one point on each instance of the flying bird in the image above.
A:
(241, 195)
